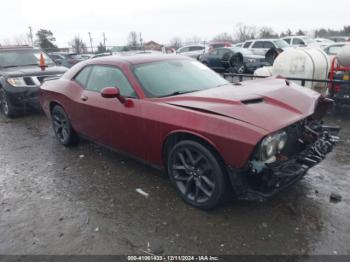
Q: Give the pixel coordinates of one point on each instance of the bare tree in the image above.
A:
(21, 40)
(78, 45)
(267, 32)
(176, 42)
(245, 32)
(133, 39)
(194, 40)
(223, 37)
(300, 32)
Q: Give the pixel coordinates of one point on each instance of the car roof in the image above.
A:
(264, 39)
(136, 59)
(13, 48)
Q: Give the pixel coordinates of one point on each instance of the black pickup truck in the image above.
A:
(21, 77)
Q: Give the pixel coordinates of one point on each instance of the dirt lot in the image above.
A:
(82, 200)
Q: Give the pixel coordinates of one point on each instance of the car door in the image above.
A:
(214, 59)
(267, 46)
(107, 120)
(258, 48)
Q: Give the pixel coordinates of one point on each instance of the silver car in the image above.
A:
(194, 51)
(261, 46)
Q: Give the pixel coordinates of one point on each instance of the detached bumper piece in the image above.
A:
(279, 175)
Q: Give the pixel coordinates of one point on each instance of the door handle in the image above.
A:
(84, 98)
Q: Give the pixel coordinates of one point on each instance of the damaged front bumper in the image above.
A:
(275, 177)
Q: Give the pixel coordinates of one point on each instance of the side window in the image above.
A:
(83, 76)
(298, 41)
(268, 44)
(258, 44)
(214, 52)
(287, 40)
(247, 44)
(196, 48)
(107, 76)
(184, 49)
(222, 51)
(333, 50)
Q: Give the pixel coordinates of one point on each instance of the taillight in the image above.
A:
(337, 88)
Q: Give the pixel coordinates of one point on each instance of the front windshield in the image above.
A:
(172, 77)
(281, 43)
(14, 58)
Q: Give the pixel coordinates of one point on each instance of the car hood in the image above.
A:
(33, 71)
(269, 104)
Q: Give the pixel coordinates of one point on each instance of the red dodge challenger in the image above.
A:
(211, 136)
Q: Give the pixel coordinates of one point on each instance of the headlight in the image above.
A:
(251, 60)
(16, 81)
(272, 144)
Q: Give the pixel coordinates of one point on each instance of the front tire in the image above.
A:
(5, 104)
(62, 127)
(197, 174)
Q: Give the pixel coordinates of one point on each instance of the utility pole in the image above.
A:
(141, 40)
(30, 35)
(104, 40)
(92, 49)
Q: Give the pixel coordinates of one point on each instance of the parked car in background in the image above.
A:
(101, 54)
(218, 44)
(300, 41)
(323, 42)
(261, 46)
(233, 59)
(238, 45)
(177, 114)
(340, 38)
(333, 49)
(21, 76)
(66, 59)
(86, 56)
(193, 51)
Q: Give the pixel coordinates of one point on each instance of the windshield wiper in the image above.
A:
(179, 93)
(9, 66)
(225, 84)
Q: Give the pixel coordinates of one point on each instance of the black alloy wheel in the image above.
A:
(62, 127)
(197, 174)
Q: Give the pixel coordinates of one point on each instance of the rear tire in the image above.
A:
(62, 127)
(197, 174)
(5, 104)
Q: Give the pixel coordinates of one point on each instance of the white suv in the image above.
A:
(300, 41)
(261, 46)
(193, 51)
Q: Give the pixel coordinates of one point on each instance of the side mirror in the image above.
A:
(112, 92)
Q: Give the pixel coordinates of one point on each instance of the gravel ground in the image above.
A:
(83, 200)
